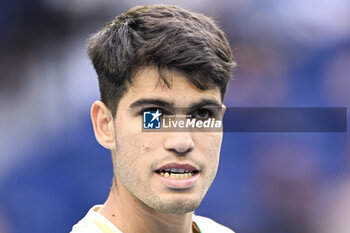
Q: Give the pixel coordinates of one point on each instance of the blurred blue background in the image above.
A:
(290, 54)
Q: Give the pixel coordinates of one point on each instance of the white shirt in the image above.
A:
(94, 222)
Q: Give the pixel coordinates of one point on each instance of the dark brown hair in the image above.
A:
(166, 37)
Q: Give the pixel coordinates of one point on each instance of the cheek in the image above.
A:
(211, 150)
(145, 144)
(130, 136)
(135, 145)
(134, 153)
(211, 143)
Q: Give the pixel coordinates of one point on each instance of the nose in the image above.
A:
(179, 143)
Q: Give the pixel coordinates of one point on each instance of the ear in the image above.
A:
(102, 121)
(223, 110)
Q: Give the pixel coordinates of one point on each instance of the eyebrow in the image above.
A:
(170, 105)
(157, 102)
(206, 102)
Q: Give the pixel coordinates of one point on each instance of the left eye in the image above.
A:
(201, 113)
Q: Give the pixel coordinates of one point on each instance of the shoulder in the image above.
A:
(84, 229)
(93, 222)
(86, 224)
(207, 225)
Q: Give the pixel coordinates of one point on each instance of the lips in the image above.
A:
(176, 168)
(178, 176)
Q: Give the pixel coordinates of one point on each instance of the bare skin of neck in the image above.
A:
(130, 215)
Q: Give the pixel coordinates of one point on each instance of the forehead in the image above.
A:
(147, 84)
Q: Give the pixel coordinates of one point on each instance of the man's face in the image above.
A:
(143, 158)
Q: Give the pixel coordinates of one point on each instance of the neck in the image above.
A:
(129, 215)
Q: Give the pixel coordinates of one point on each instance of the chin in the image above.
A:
(177, 206)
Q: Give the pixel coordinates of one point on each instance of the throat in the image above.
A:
(129, 214)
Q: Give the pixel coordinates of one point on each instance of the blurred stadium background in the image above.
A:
(290, 54)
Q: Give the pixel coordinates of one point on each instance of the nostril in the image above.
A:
(179, 144)
(181, 152)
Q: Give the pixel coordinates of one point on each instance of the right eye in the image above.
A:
(152, 109)
(202, 113)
